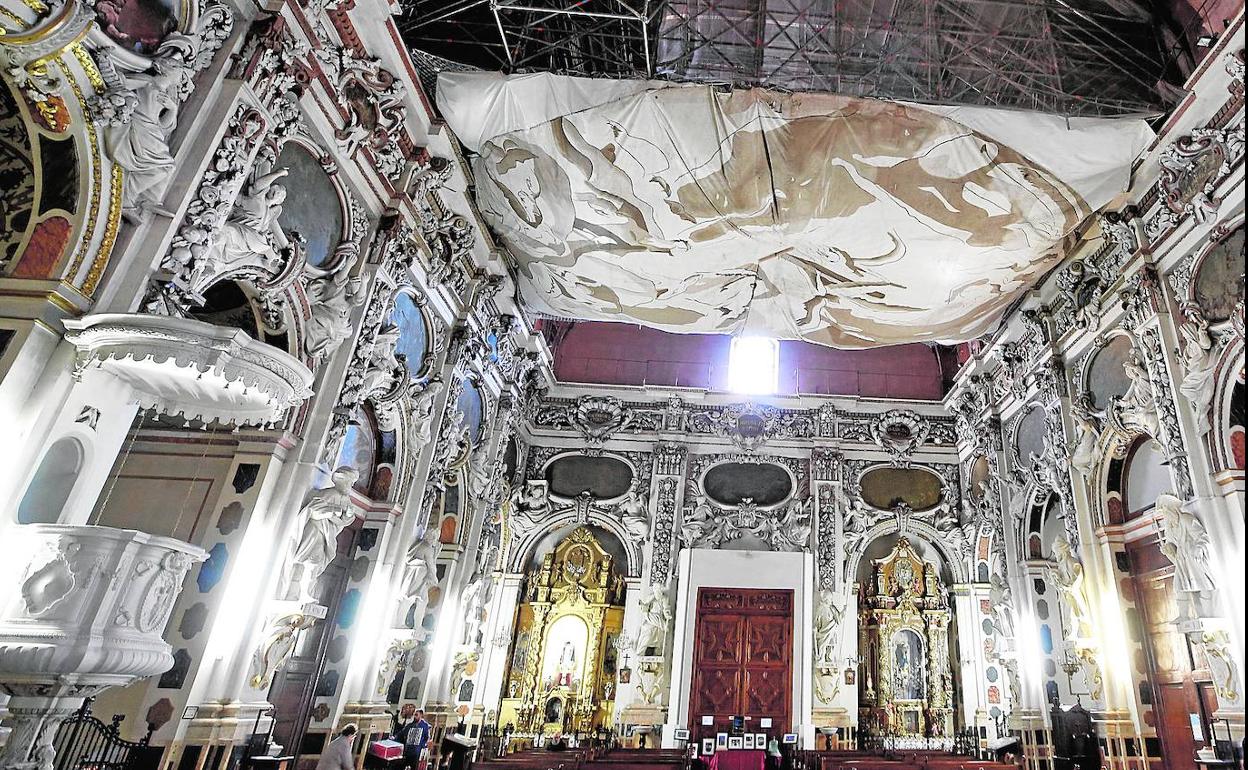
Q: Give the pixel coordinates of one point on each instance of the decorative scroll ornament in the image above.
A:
(1081, 286)
(900, 432)
(373, 98)
(599, 417)
(784, 528)
(1191, 169)
(749, 426)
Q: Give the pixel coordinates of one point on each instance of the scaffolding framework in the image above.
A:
(1071, 57)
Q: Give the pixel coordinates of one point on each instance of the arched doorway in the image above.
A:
(1175, 686)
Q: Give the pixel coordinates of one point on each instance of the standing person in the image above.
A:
(415, 740)
(337, 755)
(404, 721)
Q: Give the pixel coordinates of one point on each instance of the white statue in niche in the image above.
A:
(828, 616)
(1001, 606)
(1070, 583)
(1199, 363)
(383, 363)
(1185, 542)
(529, 505)
(326, 513)
(1139, 404)
(634, 512)
(422, 409)
(247, 236)
(698, 520)
(140, 113)
(792, 531)
(1084, 456)
(331, 297)
(421, 573)
(656, 615)
(474, 608)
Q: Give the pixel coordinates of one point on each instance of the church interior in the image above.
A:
(534, 364)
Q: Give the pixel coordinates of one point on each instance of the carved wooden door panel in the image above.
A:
(743, 646)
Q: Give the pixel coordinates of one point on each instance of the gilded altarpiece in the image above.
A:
(903, 631)
(562, 670)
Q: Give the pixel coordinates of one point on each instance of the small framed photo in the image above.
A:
(190, 712)
(734, 742)
(790, 738)
(764, 722)
(708, 720)
(708, 746)
(721, 741)
(747, 741)
(849, 676)
(760, 740)
(626, 676)
(680, 734)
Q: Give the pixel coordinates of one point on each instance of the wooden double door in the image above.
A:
(742, 660)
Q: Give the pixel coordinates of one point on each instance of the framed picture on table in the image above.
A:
(734, 742)
(708, 746)
(747, 741)
(760, 740)
(721, 741)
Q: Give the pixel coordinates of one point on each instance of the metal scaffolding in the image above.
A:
(1071, 57)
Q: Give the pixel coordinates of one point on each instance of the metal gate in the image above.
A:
(83, 742)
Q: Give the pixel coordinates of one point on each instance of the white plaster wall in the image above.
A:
(703, 568)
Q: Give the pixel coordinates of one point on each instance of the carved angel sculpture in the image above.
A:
(247, 236)
(529, 505)
(1199, 363)
(326, 513)
(422, 409)
(383, 365)
(1139, 404)
(697, 521)
(634, 511)
(422, 566)
(1185, 542)
(792, 532)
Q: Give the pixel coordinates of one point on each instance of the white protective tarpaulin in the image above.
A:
(849, 222)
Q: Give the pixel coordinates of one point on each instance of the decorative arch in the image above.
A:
(524, 546)
(920, 530)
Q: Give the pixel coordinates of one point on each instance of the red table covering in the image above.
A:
(737, 759)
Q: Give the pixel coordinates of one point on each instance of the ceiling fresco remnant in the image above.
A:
(847, 222)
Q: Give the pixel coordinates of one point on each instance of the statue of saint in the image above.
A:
(1185, 542)
(565, 674)
(1070, 584)
(422, 570)
(326, 513)
(1199, 363)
